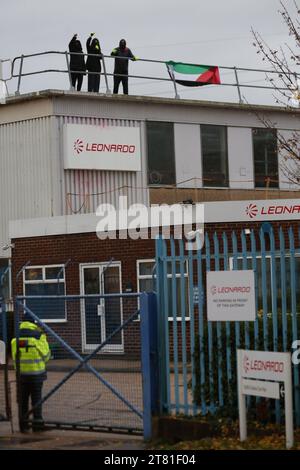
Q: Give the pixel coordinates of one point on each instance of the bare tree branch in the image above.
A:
(282, 62)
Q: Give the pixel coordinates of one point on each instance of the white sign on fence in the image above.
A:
(230, 296)
(267, 366)
(89, 147)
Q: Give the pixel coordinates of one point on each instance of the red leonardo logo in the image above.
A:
(78, 146)
(252, 210)
(246, 364)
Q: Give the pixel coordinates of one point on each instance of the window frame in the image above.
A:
(169, 276)
(204, 185)
(47, 281)
(162, 185)
(253, 160)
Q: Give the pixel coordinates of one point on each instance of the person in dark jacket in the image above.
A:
(77, 62)
(122, 54)
(93, 63)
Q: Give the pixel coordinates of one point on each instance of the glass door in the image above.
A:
(101, 317)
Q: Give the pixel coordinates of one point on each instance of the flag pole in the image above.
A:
(170, 70)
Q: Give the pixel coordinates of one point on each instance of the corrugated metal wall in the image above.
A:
(29, 173)
(85, 189)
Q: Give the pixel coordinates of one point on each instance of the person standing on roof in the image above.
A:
(123, 55)
(33, 354)
(77, 62)
(93, 63)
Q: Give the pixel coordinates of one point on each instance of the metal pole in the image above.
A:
(174, 82)
(69, 70)
(241, 399)
(20, 75)
(108, 91)
(238, 84)
(288, 403)
(3, 86)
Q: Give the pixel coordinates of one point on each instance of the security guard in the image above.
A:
(122, 54)
(34, 353)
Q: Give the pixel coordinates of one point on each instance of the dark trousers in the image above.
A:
(31, 390)
(77, 78)
(93, 82)
(117, 81)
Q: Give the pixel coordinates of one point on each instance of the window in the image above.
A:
(265, 158)
(161, 154)
(214, 155)
(46, 280)
(145, 277)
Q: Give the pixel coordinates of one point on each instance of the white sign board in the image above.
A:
(252, 211)
(2, 352)
(266, 366)
(260, 388)
(102, 148)
(230, 296)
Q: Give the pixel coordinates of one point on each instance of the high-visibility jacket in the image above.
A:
(34, 350)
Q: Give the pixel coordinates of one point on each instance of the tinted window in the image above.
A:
(161, 159)
(265, 158)
(214, 155)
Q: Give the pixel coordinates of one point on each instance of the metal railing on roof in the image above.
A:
(17, 65)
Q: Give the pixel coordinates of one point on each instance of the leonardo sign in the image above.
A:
(270, 368)
(102, 148)
(252, 211)
(230, 296)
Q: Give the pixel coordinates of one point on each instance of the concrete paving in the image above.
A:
(66, 440)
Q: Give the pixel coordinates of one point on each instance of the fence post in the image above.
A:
(149, 345)
(69, 70)
(17, 365)
(161, 331)
(20, 75)
(108, 91)
(238, 85)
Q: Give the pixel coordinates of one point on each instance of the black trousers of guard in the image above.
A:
(31, 390)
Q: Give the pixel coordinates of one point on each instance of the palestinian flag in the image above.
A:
(183, 74)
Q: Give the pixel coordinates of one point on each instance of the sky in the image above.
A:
(217, 32)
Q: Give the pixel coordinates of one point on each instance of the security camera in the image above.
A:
(193, 233)
(8, 246)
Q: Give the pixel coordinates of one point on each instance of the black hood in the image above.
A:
(122, 44)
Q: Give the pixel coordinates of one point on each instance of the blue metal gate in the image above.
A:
(198, 357)
(106, 392)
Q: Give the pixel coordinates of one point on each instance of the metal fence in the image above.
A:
(237, 77)
(198, 357)
(94, 377)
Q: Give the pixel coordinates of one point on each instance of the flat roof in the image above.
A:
(49, 94)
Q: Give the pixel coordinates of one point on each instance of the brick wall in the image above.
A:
(87, 248)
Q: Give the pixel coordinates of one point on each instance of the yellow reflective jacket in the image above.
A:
(34, 350)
